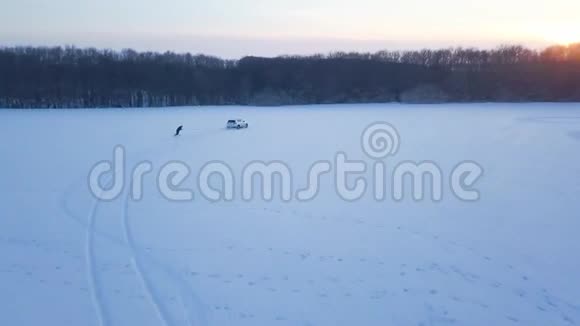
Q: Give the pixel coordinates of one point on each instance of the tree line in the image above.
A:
(69, 77)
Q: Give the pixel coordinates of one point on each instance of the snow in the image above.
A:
(510, 258)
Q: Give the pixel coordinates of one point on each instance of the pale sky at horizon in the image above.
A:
(232, 29)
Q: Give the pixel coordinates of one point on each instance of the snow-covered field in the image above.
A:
(513, 257)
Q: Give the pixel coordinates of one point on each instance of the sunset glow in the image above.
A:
(233, 29)
(562, 35)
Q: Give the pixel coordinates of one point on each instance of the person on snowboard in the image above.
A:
(179, 129)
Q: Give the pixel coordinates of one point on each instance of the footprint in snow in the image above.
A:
(496, 284)
(520, 293)
(512, 319)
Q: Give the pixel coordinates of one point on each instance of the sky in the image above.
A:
(235, 28)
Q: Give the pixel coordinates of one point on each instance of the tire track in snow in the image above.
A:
(190, 301)
(94, 281)
(89, 224)
(95, 286)
(188, 298)
(85, 224)
(140, 270)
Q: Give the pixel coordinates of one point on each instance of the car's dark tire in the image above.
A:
(238, 127)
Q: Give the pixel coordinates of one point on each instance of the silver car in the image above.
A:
(237, 124)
